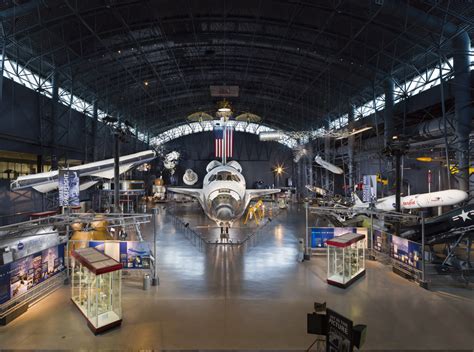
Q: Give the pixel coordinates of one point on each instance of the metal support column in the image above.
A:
(462, 98)
(54, 122)
(388, 111)
(350, 148)
(423, 282)
(2, 67)
(307, 253)
(116, 173)
(155, 281)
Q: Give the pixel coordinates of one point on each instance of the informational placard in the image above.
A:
(319, 235)
(18, 277)
(339, 337)
(405, 251)
(369, 192)
(68, 188)
(381, 240)
(132, 254)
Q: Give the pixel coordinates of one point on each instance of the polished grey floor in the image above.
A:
(256, 299)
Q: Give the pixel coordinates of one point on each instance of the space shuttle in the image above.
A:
(89, 174)
(416, 201)
(224, 196)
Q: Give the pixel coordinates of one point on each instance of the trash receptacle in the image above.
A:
(146, 282)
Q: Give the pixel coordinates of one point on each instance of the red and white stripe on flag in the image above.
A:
(219, 144)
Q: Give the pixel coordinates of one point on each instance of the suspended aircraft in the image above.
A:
(89, 174)
(416, 201)
(328, 166)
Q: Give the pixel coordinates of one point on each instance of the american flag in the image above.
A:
(219, 141)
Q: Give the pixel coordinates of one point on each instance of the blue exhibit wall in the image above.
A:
(258, 159)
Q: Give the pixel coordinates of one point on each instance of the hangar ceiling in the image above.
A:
(294, 62)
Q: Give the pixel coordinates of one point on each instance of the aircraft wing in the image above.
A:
(48, 181)
(255, 193)
(192, 192)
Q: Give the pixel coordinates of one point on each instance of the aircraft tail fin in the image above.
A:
(357, 200)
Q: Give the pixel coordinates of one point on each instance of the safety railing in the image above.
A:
(33, 294)
(197, 239)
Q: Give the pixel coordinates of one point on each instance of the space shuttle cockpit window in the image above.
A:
(224, 176)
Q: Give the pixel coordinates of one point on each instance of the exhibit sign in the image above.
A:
(131, 254)
(68, 188)
(339, 332)
(405, 251)
(381, 240)
(319, 235)
(369, 191)
(17, 277)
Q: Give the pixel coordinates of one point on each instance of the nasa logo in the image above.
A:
(20, 246)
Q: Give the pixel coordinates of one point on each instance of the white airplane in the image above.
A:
(89, 173)
(416, 201)
(224, 196)
(328, 166)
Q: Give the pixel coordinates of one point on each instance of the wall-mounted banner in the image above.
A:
(18, 277)
(68, 188)
(369, 192)
(339, 337)
(319, 235)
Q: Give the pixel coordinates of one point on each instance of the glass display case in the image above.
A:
(96, 288)
(346, 259)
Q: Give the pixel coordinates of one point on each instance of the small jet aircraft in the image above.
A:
(89, 174)
(416, 201)
(328, 166)
(224, 196)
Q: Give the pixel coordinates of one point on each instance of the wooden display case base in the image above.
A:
(104, 328)
(348, 283)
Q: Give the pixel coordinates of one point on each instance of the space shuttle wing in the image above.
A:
(192, 192)
(255, 193)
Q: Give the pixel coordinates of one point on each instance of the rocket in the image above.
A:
(417, 201)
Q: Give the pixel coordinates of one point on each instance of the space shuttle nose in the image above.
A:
(225, 214)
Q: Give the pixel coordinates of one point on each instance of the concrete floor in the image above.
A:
(225, 299)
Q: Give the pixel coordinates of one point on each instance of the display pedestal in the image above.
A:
(96, 289)
(346, 259)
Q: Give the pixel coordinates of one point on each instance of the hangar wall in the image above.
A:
(258, 159)
(26, 126)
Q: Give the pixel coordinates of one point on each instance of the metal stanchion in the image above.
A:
(155, 280)
(307, 255)
(372, 255)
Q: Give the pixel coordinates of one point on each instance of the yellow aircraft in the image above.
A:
(256, 211)
(381, 180)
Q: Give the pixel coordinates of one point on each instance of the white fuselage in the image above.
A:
(224, 197)
(328, 166)
(423, 200)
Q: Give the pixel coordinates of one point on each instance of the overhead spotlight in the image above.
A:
(146, 83)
